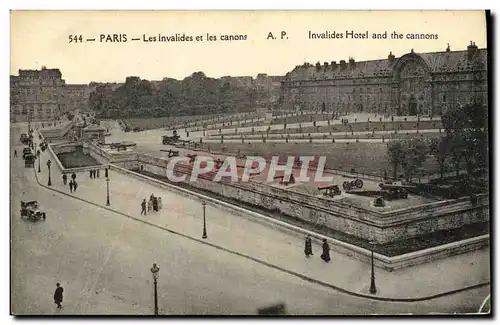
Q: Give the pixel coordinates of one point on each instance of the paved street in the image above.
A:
(102, 259)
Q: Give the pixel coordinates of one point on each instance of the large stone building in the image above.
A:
(44, 95)
(76, 97)
(36, 94)
(415, 83)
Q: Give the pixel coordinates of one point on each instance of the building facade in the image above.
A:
(36, 95)
(415, 83)
(43, 95)
(76, 97)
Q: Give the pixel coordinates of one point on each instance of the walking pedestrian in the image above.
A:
(150, 205)
(71, 186)
(75, 185)
(15, 153)
(143, 207)
(97, 171)
(65, 179)
(159, 203)
(308, 248)
(155, 204)
(326, 252)
(73, 176)
(58, 295)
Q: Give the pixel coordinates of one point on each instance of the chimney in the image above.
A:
(352, 63)
(391, 57)
(471, 50)
(342, 64)
(334, 65)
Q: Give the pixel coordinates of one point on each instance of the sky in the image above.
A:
(42, 38)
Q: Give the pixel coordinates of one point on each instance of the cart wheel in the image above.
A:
(359, 183)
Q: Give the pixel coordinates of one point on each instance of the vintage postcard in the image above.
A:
(249, 163)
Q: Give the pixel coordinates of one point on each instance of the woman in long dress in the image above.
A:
(326, 252)
(308, 248)
(150, 205)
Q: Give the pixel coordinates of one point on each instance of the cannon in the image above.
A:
(171, 153)
(170, 139)
(394, 191)
(357, 183)
(330, 190)
(284, 182)
(191, 158)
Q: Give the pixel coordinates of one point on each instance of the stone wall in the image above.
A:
(370, 225)
(387, 262)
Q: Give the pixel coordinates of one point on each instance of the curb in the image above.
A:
(299, 275)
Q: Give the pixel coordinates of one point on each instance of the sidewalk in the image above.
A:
(271, 244)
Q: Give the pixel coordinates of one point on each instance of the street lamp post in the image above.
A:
(155, 270)
(38, 156)
(34, 152)
(373, 288)
(107, 192)
(48, 165)
(204, 221)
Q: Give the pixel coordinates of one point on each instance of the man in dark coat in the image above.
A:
(65, 179)
(308, 248)
(90, 173)
(58, 295)
(75, 185)
(155, 204)
(143, 207)
(71, 186)
(326, 252)
(73, 176)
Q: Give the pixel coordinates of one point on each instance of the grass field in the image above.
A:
(363, 126)
(150, 123)
(76, 159)
(365, 158)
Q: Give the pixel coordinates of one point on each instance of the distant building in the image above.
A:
(415, 83)
(36, 94)
(76, 97)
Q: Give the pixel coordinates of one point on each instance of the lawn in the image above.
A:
(365, 158)
(76, 159)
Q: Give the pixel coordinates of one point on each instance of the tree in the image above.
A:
(397, 155)
(467, 128)
(415, 155)
(440, 149)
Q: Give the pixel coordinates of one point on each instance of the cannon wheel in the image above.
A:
(358, 183)
(347, 186)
